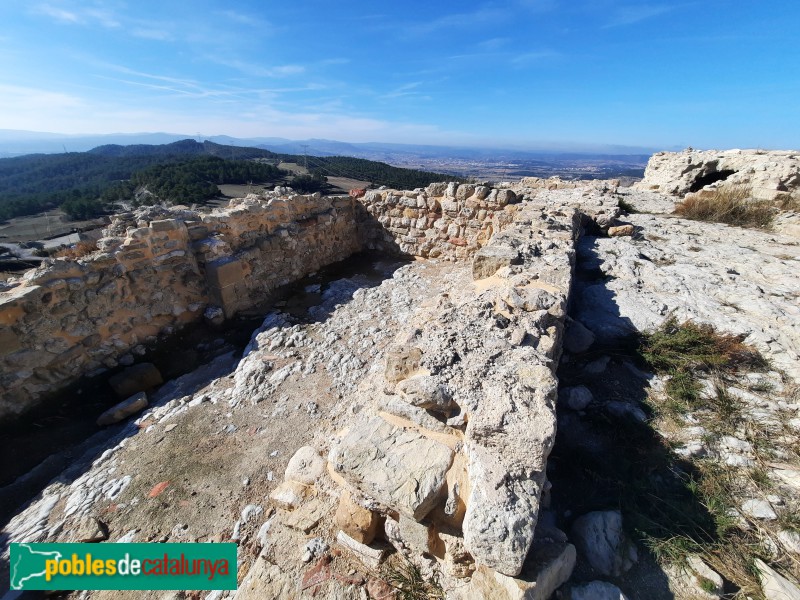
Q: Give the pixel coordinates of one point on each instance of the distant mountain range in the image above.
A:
(17, 142)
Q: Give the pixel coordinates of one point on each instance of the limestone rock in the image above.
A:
(577, 338)
(767, 173)
(306, 466)
(600, 538)
(356, 521)
(426, 392)
(516, 414)
(489, 259)
(402, 362)
(400, 468)
(307, 517)
(577, 397)
(547, 567)
(371, 557)
(415, 535)
(289, 495)
(776, 585)
(123, 410)
(138, 378)
(596, 590)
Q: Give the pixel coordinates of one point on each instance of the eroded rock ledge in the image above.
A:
(768, 173)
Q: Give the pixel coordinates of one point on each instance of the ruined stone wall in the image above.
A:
(160, 269)
(466, 411)
(448, 221)
(69, 318)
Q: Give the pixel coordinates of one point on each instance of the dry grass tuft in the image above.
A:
(79, 250)
(729, 205)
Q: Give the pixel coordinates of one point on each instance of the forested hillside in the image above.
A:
(86, 184)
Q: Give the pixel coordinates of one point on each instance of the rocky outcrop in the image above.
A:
(769, 174)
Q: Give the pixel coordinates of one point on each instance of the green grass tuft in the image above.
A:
(409, 584)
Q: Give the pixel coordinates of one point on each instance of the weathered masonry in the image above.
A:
(160, 270)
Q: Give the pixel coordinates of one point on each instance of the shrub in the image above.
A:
(77, 250)
(729, 205)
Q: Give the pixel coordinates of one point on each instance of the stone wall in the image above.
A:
(160, 269)
(466, 411)
(769, 174)
(448, 221)
(70, 318)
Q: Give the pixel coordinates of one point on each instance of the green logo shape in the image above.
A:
(123, 566)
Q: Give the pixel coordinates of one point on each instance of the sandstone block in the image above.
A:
(137, 378)
(306, 466)
(400, 468)
(622, 230)
(489, 259)
(123, 410)
(356, 521)
(402, 362)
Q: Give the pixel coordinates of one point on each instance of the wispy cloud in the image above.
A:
(15, 98)
(246, 19)
(148, 33)
(257, 70)
(57, 13)
(409, 89)
(478, 18)
(632, 14)
(530, 58)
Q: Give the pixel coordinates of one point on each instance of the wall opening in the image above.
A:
(709, 178)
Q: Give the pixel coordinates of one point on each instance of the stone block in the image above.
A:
(371, 557)
(401, 362)
(547, 567)
(138, 378)
(123, 410)
(289, 495)
(489, 259)
(306, 466)
(398, 467)
(224, 272)
(356, 521)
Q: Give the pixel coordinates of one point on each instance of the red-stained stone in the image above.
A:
(378, 589)
(316, 575)
(157, 489)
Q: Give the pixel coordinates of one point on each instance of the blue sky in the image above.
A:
(522, 73)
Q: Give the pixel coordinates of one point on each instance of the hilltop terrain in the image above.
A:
(543, 389)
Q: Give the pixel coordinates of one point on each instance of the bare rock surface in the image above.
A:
(768, 173)
(415, 415)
